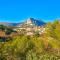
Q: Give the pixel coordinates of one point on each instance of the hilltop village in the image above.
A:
(30, 27)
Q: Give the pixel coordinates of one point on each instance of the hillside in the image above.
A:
(33, 21)
(8, 24)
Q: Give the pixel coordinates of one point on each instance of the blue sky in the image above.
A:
(19, 10)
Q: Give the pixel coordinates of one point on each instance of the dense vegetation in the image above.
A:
(37, 47)
(7, 30)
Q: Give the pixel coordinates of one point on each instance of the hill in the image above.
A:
(30, 21)
(8, 24)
